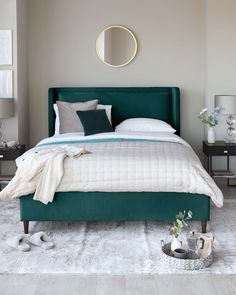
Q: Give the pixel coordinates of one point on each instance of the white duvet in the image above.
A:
(125, 161)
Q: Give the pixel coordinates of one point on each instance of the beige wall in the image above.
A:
(221, 52)
(13, 15)
(171, 52)
(185, 43)
(10, 126)
(22, 71)
(8, 21)
(221, 57)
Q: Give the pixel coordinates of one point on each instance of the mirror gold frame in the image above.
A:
(135, 46)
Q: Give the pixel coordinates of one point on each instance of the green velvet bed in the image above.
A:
(128, 102)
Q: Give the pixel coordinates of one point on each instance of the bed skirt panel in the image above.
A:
(115, 206)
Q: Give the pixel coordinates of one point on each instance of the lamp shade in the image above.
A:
(227, 102)
(6, 108)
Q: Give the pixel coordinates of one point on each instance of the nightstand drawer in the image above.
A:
(7, 154)
(5, 179)
(219, 150)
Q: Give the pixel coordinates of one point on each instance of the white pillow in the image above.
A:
(99, 107)
(144, 125)
(107, 109)
(57, 120)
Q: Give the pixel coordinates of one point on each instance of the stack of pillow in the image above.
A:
(88, 117)
(92, 118)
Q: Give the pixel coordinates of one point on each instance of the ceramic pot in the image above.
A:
(211, 135)
(180, 253)
(175, 244)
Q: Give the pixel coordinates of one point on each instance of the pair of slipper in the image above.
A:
(23, 242)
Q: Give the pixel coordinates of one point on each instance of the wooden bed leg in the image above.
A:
(26, 227)
(204, 226)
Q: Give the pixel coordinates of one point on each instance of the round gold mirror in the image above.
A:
(116, 46)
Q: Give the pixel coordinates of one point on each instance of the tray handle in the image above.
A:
(162, 243)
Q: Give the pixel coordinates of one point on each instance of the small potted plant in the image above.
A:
(178, 225)
(211, 119)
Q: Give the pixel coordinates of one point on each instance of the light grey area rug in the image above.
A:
(109, 248)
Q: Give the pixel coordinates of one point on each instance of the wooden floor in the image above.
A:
(117, 285)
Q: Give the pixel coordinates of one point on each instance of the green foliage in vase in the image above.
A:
(180, 222)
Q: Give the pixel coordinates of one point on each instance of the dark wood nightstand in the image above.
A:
(9, 154)
(220, 148)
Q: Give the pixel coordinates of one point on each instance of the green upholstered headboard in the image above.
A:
(127, 102)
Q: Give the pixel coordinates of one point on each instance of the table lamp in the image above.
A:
(6, 111)
(228, 105)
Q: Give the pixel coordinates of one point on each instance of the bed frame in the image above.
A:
(127, 102)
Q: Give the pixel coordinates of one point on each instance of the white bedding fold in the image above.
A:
(124, 161)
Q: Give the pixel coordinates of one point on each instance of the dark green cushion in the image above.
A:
(94, 122)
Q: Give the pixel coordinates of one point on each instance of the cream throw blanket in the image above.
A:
(45, 169)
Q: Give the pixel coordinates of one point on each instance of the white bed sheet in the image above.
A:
(126, 161)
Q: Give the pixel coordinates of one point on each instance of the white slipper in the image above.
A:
(41, 239)
(19, 242)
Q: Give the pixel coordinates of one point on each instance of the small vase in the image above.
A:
(211, 135)
(175, 244)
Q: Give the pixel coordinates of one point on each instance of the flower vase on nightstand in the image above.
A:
(210, 119)
(211, 135)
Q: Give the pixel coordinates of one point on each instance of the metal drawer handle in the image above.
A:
(225, 152)
(1, 156)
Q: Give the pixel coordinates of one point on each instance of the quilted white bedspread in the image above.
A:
(153, 162)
